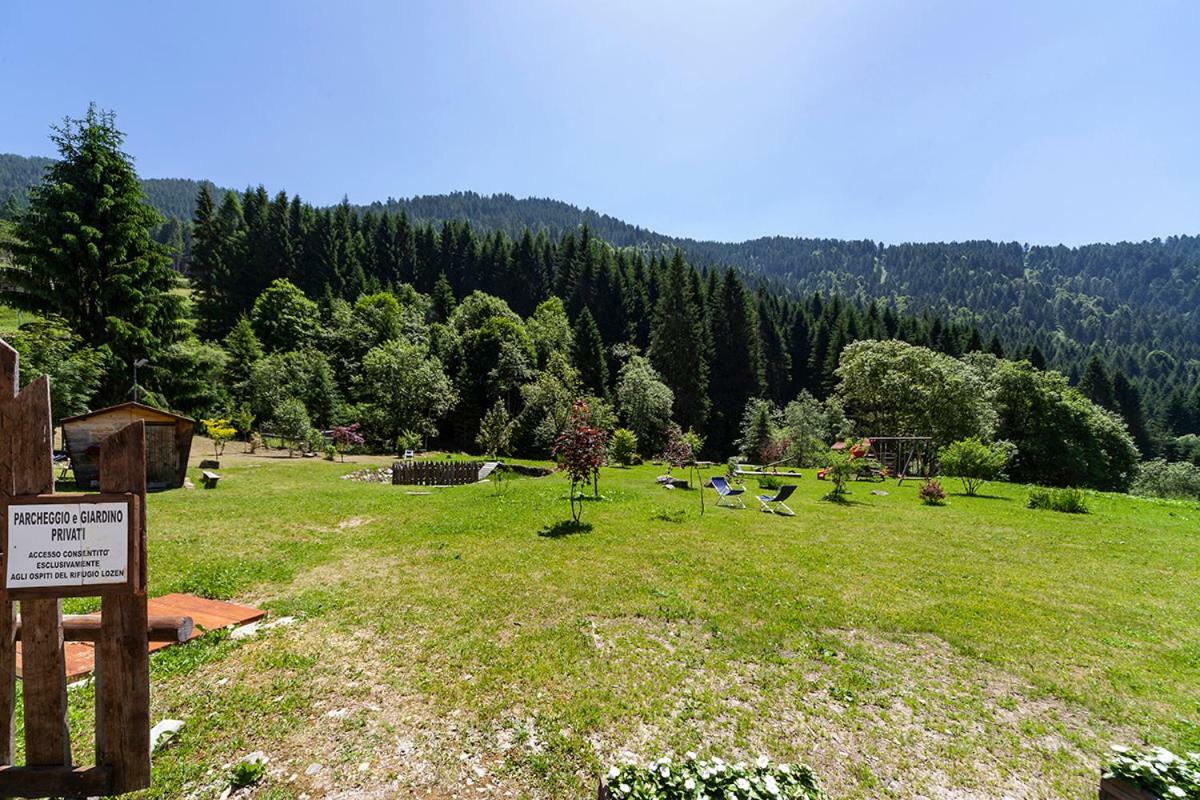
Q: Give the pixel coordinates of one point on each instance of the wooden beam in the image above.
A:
(87, 627)
(62, 781)
(122, 661)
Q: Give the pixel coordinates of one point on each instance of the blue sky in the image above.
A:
(897, 121)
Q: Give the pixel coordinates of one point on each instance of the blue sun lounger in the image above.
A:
(776, 504)
(727, 492)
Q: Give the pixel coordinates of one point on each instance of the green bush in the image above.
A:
(1067, 501)
(665, 780)
(1179, 480)
(622, 448)
(1160, 772)
(769, 482)
(974, 462)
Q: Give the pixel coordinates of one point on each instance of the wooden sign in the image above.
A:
(66, 545)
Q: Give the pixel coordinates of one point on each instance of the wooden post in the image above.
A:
(122, 659)
(9, 386)
(30, 470)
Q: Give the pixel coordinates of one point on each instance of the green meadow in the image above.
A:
(469, 640)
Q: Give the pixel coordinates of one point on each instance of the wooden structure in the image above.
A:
(173, 619)
(1119, 789)
(435, 473)
(904, 457)
(168, 443)
(122, 660)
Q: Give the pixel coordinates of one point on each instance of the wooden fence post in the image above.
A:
(30, 471)
(122, 659)
(9, 386)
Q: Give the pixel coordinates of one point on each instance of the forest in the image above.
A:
(278, 314)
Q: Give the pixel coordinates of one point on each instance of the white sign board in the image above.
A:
(67, 544)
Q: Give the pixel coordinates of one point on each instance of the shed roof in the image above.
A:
(134, 410)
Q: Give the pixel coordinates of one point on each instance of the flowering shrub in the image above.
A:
(220, 431)
(1158, 771)
(932, 493)
(664, 780)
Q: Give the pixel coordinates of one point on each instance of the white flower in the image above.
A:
(689, 784)
(762, 762)
(691, 755)
(624, 788)
(665, 771)
(784, 768)
(614, 772)
(772, 787)
(743, 784)
(1176, 791)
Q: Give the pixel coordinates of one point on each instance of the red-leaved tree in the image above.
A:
(677, 452)
(580, 450)
(347, 436)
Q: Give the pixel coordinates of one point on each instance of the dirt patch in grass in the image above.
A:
(877, 716)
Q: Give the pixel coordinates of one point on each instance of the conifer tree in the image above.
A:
(1096, 385)
(589, 355)
(676, 341)
(735, 337)
(85, 252)
(1129, 404)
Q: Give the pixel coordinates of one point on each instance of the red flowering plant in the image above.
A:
(346, 437)
(580, 450)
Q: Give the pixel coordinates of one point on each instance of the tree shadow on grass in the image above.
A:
(981, 496)
(841, 500)
(565, 528)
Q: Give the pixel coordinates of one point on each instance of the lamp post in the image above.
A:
(137, 390)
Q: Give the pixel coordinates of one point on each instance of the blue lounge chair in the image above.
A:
(776, 504)
(727, 492)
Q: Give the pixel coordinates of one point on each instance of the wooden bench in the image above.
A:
(209, 479)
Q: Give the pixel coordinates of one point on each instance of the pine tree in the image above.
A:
(243, 350)
(205, 267)
(735, 337)
(994, 347)
(1035, 357)
(1129, 405)
(1096, 385)
(675, 350)
(85, 252)
(443, 300)
(589, 355)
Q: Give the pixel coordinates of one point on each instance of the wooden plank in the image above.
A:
(54, 781)
(9, 385)
(47, 739)
(122, 658)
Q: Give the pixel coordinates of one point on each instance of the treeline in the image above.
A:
(727, 340)
(1130, 304)
(716, 342)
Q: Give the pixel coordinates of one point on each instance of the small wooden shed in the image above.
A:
(168, 443)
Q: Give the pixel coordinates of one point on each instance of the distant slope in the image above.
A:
(174, 197)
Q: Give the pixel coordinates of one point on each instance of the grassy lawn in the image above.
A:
(464, 641)
(11, 318)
